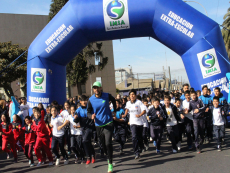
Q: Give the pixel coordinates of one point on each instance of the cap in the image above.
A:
(97, 84)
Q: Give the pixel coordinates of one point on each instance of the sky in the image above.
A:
(144, 55)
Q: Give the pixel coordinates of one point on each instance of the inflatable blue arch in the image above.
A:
(189, 33)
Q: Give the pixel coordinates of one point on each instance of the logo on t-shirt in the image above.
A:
(158, 112)
(198, 106)
(136, 107)
(103, 101)
(222, 112)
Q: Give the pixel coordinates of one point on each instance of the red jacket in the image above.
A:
(17, 129)
(39, 126)
(8, 134)
(30, 135)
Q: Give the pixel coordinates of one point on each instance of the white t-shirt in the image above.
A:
(217, 118)
(185, 105)
(171, 120)
(74, 131)
(144, 119)
(135, 109)
(56, 122)
(65, 115)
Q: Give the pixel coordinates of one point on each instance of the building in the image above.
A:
(22, 29)
(121, 74)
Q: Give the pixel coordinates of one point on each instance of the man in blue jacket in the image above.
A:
(222, 100)
(207, 100)
(98, 109)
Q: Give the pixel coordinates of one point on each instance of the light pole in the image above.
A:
(131, 72)
(200, 5)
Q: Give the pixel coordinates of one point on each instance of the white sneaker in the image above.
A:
(29, 162)
(57, 162)
(31, 165)
(43, 163)
(174, 151)
(178, 145)
(66, 162)
(39, 164)
(51, 163)
(151, 139)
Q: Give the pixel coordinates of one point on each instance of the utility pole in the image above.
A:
(138, 83)
(164, 77)
(170, 82)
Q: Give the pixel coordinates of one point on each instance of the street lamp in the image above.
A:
(200, 5)
(131, 72)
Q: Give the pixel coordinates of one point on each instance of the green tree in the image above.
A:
(78, 69)
(8, 53)
(226, 32)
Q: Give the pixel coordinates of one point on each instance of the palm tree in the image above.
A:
(226, 31)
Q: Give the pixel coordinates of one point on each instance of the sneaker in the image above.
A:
(29, 162)
(93, 159)
(66, 162)
(154, 143)
(57, 162)
(15, 160)
(151, 139)
(147, 147)
(76, 160)
(218, 148)
(222, 142)
(39, 164)
(174, 151)
(110, 168)
(198, 151)
(95, 143)
(51, 163)
(121, 152)
(87, 161)
(31, 165)
(43, 163)
(137, 156)
(8, 155)
(69, 152)
(190, 147)
(158, 151)
(178, 146)
(82, 161)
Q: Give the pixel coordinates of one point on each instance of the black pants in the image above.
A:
(189, 130)
(137, 138)
(145, 135)
(76, 146)
(29, 152)
(105, 134)
(120, 136)
(59, 141)
(87, 142)
(156, 134)
(181, 129)
(219, 133)
(67, 138)
(199, 126)
(173, 135)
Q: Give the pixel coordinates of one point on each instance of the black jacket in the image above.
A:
(197, 104)
(175, 112)
(153, 116)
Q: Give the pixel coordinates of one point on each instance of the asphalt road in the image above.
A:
(209, 161)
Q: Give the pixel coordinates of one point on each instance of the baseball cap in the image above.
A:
(97, 84)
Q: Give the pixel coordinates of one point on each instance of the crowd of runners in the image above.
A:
(80, 124)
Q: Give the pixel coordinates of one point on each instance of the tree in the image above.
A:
(226, 31)
(8, 53)
(78, 70)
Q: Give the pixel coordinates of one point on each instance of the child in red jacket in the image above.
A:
(30, 138)
(42, 141)
(18, 132)
(8, 137)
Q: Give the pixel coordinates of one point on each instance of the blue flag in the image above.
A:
(15, 108)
